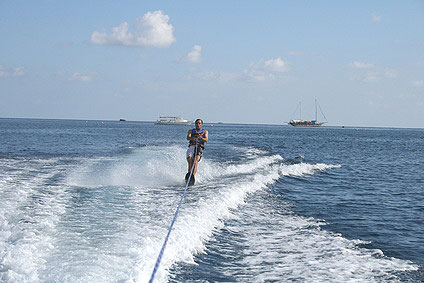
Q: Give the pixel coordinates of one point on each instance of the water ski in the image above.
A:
(191, 183)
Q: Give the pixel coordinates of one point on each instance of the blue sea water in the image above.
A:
(85, 201)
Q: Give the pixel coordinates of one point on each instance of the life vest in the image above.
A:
(194, 133)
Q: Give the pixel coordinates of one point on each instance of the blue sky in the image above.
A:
(230, 61)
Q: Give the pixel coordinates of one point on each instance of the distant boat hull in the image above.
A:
(305, 123)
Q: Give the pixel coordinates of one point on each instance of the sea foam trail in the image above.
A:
(29, 211)
(279, 245)
(105, 219)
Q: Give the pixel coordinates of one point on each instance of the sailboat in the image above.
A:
(308, 123)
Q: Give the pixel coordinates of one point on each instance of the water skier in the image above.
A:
(197, 136)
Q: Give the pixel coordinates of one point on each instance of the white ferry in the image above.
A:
(172, 120)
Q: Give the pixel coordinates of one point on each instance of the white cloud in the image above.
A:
(82, 77)
(195, 55)
(152, 29)
(266, 70)
(11, 72)
(276, 65)
(263, 70)
(360, 65)
(419, 83)
(376, 18)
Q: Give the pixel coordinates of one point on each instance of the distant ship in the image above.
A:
(308, 123)
(172, 120)
(122, 119)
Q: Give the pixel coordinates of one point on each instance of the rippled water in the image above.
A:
(85, 201)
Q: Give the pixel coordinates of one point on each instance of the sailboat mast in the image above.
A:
(316, 110)
(300, 110)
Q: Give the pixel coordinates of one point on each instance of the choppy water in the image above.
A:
(83, 201)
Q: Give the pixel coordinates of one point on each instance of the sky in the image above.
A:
(223, 61)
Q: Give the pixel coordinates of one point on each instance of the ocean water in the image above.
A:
(85, 201)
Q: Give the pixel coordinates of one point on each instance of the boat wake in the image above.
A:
(105, 219)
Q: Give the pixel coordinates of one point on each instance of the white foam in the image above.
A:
(251, 152)
(29, 212)
(116, 234)
(294, 248)
(302, 169)
(210, 170)
(145, 167)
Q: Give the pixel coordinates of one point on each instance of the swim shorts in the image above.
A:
(190, 151)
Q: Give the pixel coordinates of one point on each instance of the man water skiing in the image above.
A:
(198, 137)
